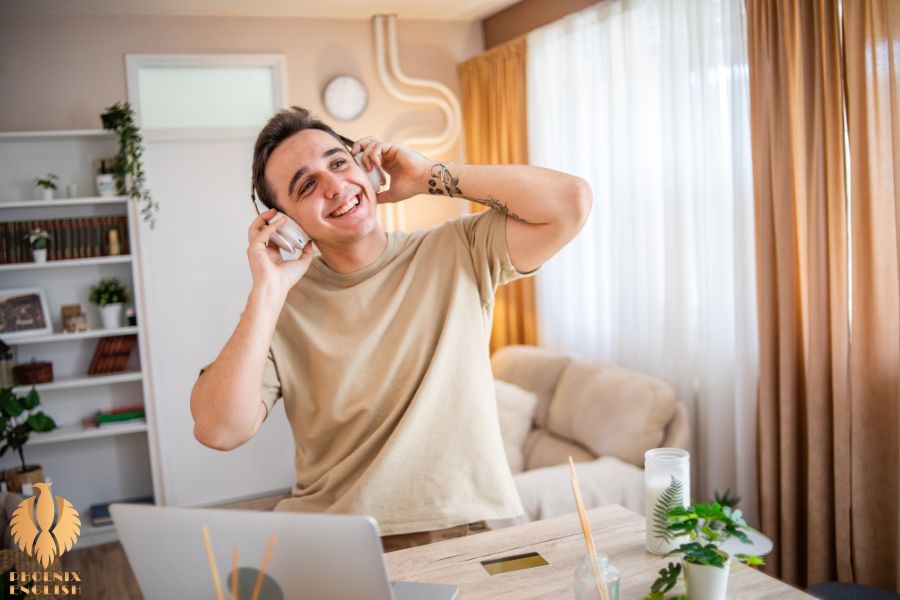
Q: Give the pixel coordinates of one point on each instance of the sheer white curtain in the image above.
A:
(648, 100)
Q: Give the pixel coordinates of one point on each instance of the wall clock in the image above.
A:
(345, 97)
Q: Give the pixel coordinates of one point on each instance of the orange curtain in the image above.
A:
(494, 119)
(829, 383)
(872, 65)
(801, 232)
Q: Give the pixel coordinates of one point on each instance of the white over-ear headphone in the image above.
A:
(289, 236)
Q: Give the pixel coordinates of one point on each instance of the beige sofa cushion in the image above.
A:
(543, 449)
(515, 407)
(531, 368)
(547, 492)
(610, 410)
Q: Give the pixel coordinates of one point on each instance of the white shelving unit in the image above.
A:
(79, 381)
(76, 432)
(68, 263)
(86, 465)
(81, 335)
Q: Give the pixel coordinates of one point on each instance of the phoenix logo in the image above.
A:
(45, 526)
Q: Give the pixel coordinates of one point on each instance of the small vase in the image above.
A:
(111, 315)
(40, 255)
(16, 477)
(106, 185)
(704, 582)
(586, 579)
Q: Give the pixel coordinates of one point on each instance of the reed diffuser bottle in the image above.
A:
(586, 580)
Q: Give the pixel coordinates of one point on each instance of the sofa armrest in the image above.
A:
(678, 432)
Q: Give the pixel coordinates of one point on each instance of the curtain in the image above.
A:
(493, 102)
(795, 88)
(648, 101)
(872, 66)
(829, 401)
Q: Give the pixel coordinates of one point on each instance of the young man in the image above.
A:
(378, 345)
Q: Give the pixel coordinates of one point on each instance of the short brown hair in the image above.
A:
(279, 128)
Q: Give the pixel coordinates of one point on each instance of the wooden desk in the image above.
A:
(617, 531)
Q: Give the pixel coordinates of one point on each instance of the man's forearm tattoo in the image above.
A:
(443, 182)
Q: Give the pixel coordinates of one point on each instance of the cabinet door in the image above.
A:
(195, 284)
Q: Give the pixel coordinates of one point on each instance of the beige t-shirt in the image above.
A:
(387, 384)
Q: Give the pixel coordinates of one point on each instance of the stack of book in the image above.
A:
(114, 416)
(78, 237)
(100, 512)
(111, 354)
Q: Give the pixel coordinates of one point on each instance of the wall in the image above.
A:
(525, 16)
(59, 72)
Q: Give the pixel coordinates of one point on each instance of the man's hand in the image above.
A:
(266, 264)
(408, 169)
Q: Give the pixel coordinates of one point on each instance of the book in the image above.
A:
(76, 237)
(134, 415)
(100, 512)
(111, 354)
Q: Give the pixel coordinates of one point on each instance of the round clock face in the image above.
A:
(345, 97)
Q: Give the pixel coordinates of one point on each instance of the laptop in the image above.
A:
(315, 556)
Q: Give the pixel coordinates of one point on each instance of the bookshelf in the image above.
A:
(67, 263)
(87, 465)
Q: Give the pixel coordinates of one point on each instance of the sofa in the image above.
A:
(552, 406)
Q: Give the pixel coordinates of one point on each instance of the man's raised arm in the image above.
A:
(226, 401)
(547, 208)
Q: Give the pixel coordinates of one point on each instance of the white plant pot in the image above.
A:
(704, 582)
(111, 315)
(45, 193)
(40, 256)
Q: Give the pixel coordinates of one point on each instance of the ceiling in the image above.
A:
(444, 10)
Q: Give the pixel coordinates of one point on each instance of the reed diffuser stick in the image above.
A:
(234, 573)
(265, 565)
(588, 538)
(212, 562)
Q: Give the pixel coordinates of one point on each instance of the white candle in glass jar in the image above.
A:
(662, 466)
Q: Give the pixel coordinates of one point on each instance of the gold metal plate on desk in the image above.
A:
(508, 564)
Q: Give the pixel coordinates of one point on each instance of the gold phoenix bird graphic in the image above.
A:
(45, 528)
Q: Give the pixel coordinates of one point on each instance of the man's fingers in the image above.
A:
(372, 155)
(265, 230)
(361, 144)
(260, 221)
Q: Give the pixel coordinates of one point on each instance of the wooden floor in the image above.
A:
(104, 569)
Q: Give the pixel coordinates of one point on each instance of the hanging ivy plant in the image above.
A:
(128, 169)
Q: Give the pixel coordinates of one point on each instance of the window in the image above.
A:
(205, 92)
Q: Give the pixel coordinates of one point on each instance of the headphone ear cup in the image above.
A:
(376, 175)
(281, 242)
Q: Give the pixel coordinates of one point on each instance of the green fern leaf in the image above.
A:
(671, 497)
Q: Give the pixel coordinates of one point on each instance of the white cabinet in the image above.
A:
(87, 466)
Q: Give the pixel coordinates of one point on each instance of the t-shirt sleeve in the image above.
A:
(271, 383)
(485, 235)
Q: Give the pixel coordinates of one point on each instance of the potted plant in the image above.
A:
(38, 239)
(110, 296)
(704, 564)
(18, 419)
(128, 169)
(47, 185)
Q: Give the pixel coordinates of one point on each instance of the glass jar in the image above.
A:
(586, 582)
(667, 482)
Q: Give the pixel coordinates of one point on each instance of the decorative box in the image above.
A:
(33, 372)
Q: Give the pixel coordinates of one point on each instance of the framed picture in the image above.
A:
(23, 313)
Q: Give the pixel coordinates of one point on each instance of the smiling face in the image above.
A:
(318, 184)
